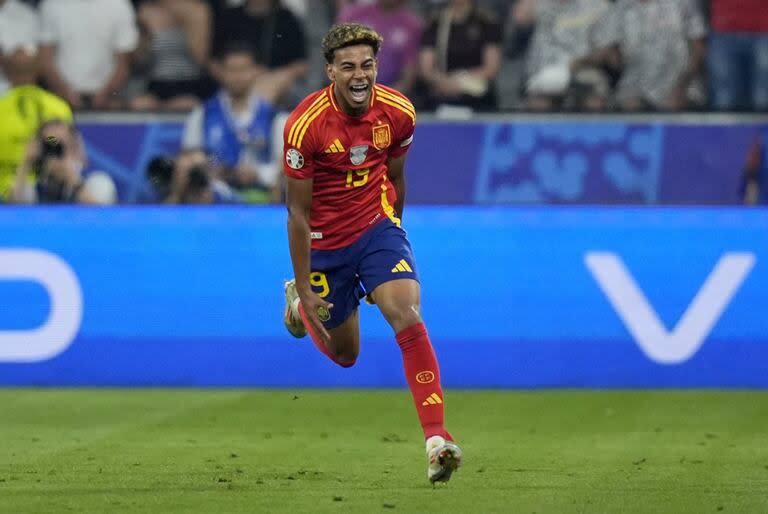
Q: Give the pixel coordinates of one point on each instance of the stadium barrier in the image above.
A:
(513, 297)
(690, 159)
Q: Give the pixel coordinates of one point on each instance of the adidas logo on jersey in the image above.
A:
(336, 147)
(402, 266)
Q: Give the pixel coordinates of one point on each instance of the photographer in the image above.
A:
(51, 171)
(23, 110)
(189, 179)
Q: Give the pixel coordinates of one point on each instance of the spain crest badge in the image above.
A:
(382, 137)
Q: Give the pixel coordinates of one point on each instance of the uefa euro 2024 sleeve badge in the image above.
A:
(294, 159)
(357, 154)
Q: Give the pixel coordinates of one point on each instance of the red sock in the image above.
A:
(423, 376)
(319, 342)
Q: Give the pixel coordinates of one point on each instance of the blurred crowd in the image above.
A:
(234, 66)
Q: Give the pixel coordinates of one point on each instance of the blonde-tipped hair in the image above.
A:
(348, 34)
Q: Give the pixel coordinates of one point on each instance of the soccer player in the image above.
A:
(344, 153)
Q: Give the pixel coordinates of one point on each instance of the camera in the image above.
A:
(198, 178)
(159, 172)
(52, 147)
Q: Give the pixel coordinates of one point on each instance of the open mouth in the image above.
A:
(359, 92)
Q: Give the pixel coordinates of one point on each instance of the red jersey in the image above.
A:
(739, 16)
(346, 156)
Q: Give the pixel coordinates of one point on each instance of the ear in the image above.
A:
(329, 72)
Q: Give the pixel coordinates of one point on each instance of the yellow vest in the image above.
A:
(23, 110)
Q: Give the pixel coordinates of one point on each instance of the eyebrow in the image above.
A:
(368, 60)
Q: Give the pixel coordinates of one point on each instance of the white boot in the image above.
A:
(291, 316)
(443, 458)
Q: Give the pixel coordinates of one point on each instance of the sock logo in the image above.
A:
(425, 377)
(432, 399)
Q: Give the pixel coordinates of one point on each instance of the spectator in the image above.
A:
(23, 109)
(175, 44)
(738, 55)
(236, 128)
(661, 47)
(188, 179)
(276, 37)
(461, 57)
(562, 53)
(86, 48)
(55, 159)
(19, 28)
(401, 29)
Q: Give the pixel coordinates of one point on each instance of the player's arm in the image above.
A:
(396, 174)
(299, 203)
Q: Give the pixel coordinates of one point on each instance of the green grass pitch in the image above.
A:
(221, 451)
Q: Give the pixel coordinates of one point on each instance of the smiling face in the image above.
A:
(353, 72)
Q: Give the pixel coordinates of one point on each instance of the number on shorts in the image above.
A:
(318, 279)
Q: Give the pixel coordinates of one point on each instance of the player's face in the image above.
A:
(353, 71)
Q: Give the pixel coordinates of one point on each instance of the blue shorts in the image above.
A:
(345, 275)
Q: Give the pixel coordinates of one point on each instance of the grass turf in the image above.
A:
(361, 451)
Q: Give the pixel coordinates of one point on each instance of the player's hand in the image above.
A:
(316, 310)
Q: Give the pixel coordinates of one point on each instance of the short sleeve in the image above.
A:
(126, 33)
(695, 27)
(193, 130)
(403, 137)
(58, 109)
(401, 147)
(298, 162)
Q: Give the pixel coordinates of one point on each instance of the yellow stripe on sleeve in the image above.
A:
(397, 99)
(300, 119)
(317, 113)
(398, 106)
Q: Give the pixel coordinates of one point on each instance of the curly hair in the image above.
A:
(348, 34)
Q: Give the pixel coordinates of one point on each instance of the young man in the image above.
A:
(236, 127)
(344, 150)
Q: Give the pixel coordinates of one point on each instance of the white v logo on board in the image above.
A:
(641, 319)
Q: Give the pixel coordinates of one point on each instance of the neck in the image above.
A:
(348, 109)
(21, 80)
(239, 102)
